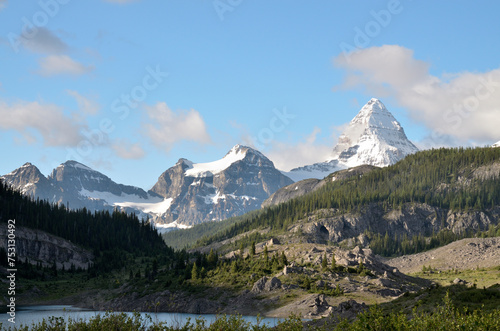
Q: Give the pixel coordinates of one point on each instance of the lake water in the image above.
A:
(28, 315)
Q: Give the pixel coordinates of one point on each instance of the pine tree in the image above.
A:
(194, 272)
(212, 258)
(324, 263)
(284, 260)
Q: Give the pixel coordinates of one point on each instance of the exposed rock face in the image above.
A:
(38, 246)
(305, 186)
(232, 186)
(411, 220)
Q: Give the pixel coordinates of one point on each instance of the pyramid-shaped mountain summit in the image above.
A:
(373, 137)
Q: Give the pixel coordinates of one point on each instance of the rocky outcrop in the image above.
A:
(412, 219)
(266, 285)
(345, 310)
(318, 305)
(38, 246)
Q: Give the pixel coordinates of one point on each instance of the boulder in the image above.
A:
(259, 285)
(348, 309)
(273, 241)
(272, 284)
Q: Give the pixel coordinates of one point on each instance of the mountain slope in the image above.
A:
(305, 186)
(231, 186)
(373, 137)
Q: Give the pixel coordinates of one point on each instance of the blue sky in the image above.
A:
(129, 87)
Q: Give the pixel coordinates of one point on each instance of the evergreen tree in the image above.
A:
(194, 272)
(324, 263)
(212, 258)
(284, 260)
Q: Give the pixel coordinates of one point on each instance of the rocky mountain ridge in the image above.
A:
(232, 186)
(77, 186)
(185, 194)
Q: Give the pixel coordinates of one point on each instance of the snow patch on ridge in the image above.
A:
(215, 167)
(76, 165)
(162, 228)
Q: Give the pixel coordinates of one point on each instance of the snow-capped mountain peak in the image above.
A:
(373, 137)
(230, 186)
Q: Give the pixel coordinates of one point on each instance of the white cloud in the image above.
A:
(3, 4)
(62, 64)
(165, 127)
(49, 121)
(43, 41)
(127, 150)
(288, 156)
(463, 106)
(85, 104)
